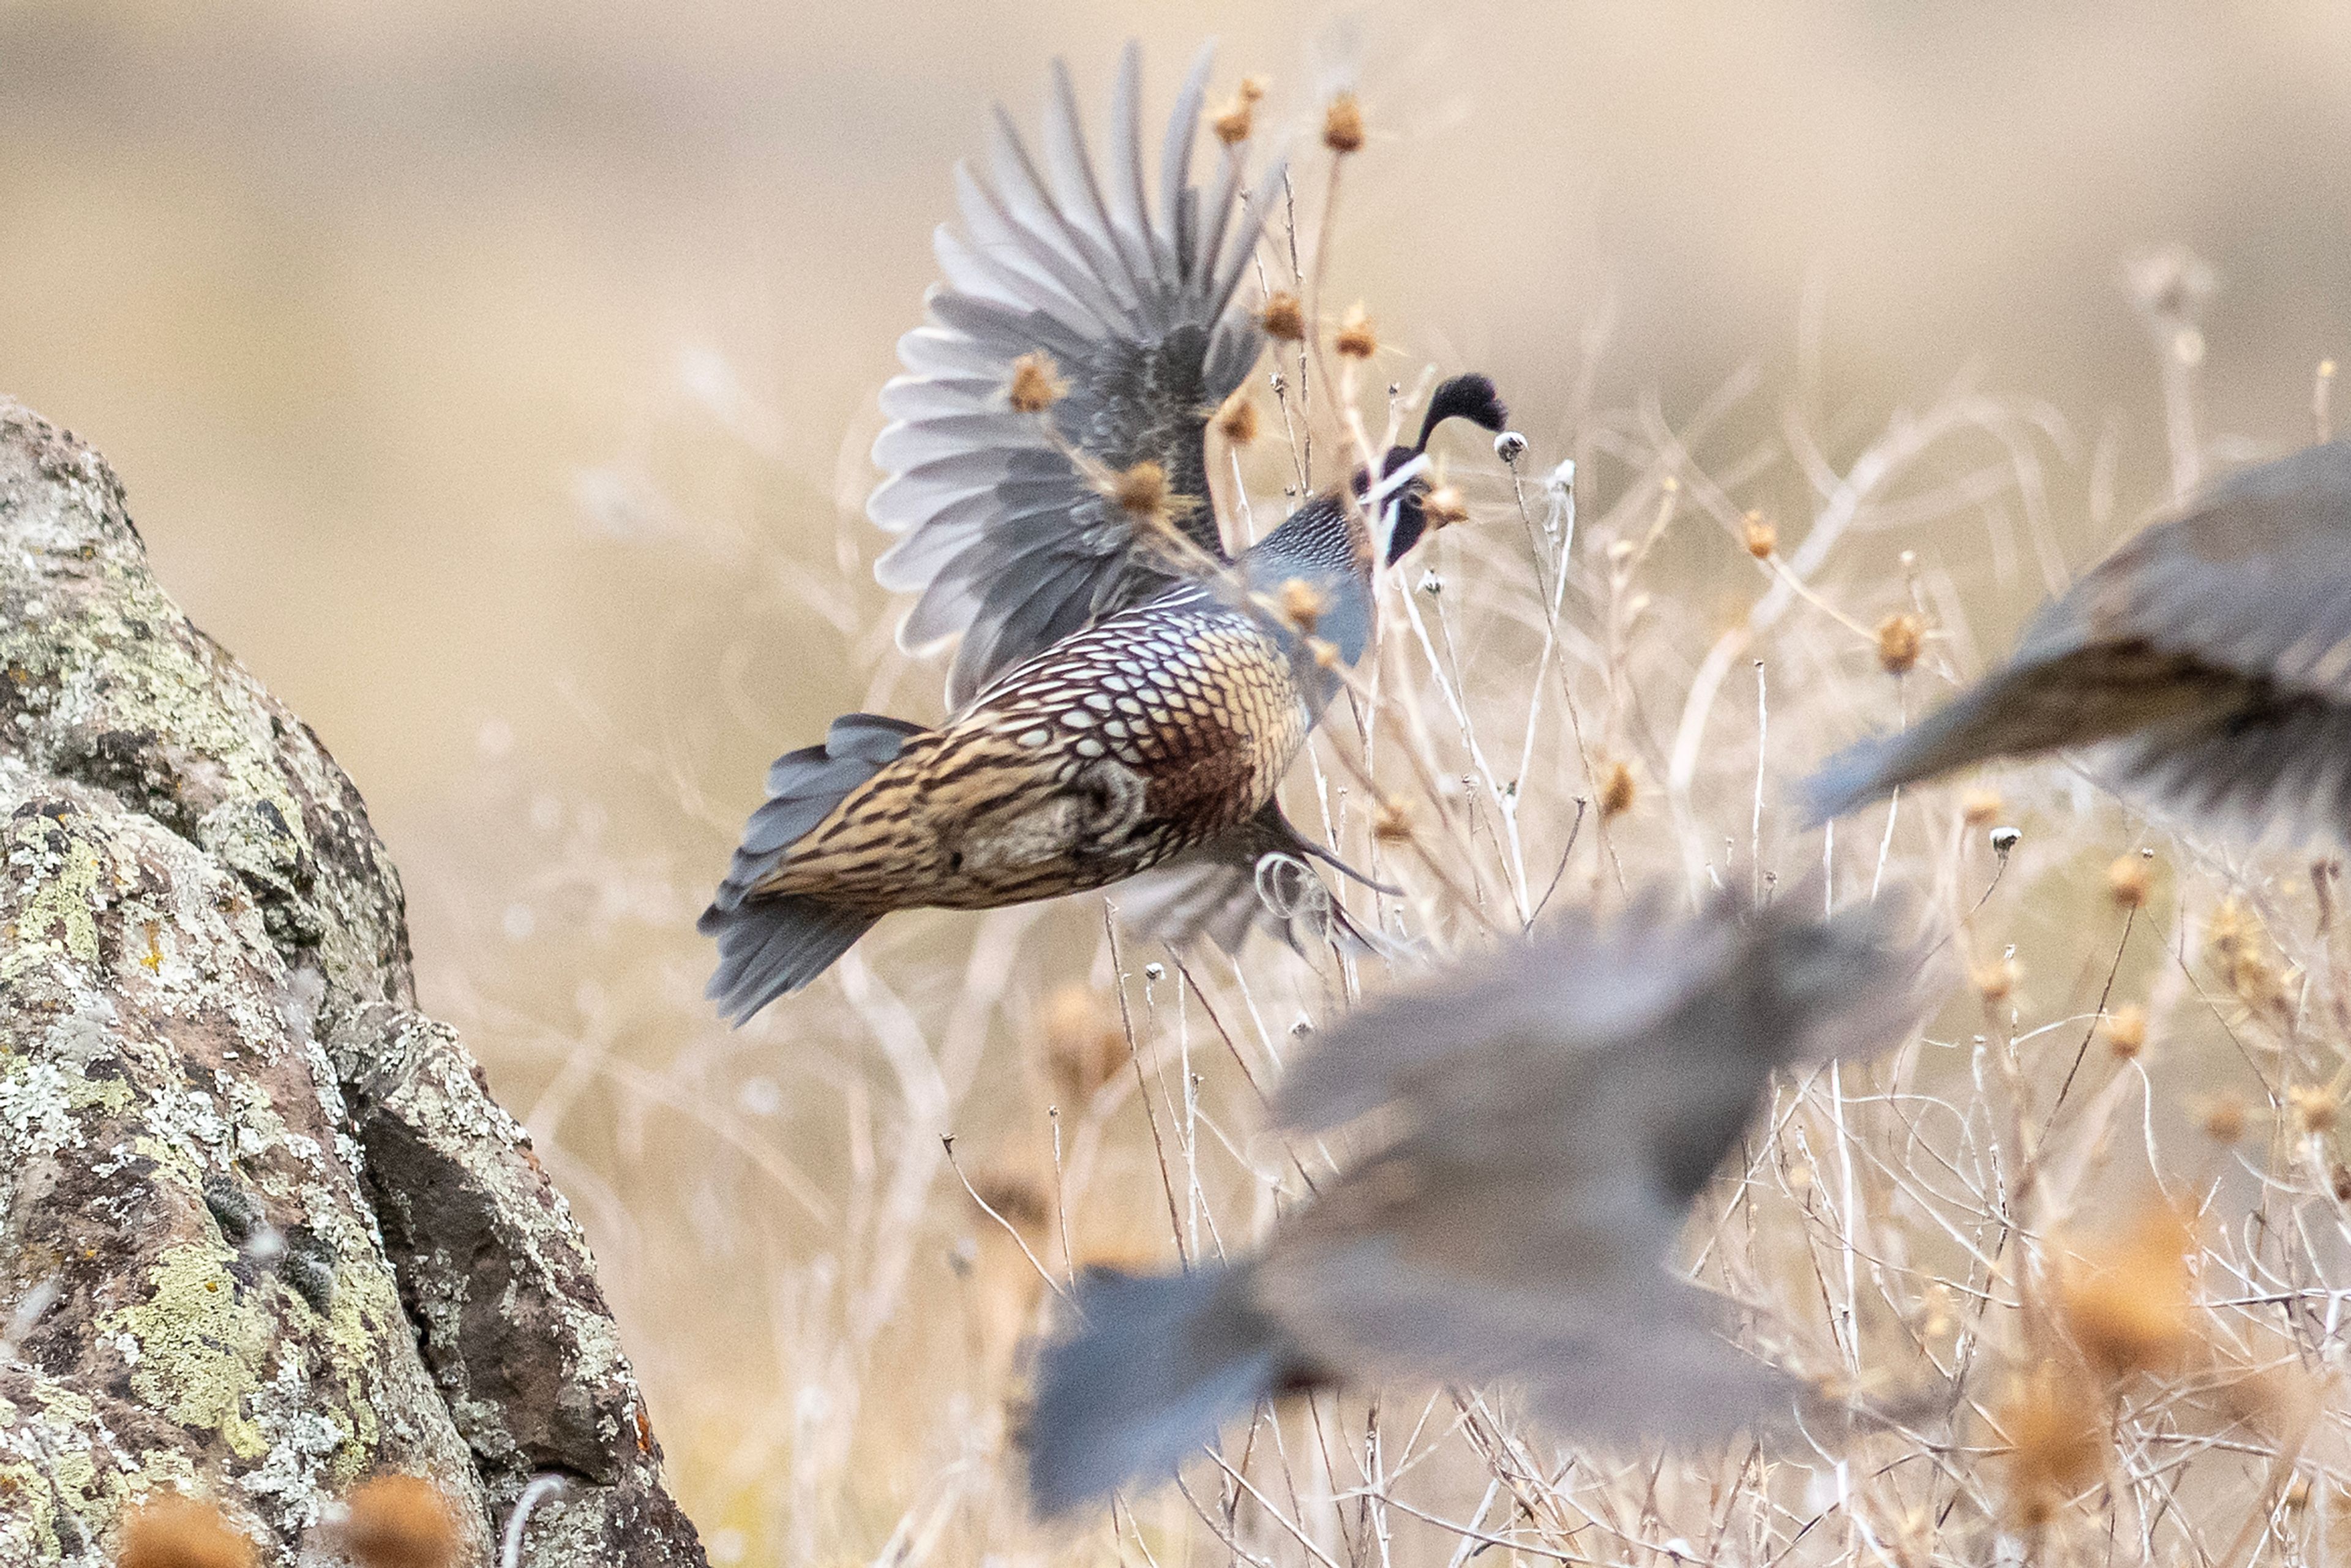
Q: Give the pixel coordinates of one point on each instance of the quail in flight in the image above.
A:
(1540, 1124)
(1124, 697)
(2209, 659)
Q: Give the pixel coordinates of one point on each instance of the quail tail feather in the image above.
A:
(770, 944)
(776, 946)
(1150, 1368)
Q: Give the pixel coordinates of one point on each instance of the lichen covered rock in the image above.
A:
(262, 1231)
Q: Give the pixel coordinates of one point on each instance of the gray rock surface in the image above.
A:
(262, 1231)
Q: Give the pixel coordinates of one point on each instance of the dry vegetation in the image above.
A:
(2081, 1244)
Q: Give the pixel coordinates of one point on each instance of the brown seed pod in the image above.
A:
(1617, 791)
(1141, 491)
(2056, 1432)
(1444, 506)
(2126, 1031)
(399, 1522)
(1301, 602)
(1356, 339)
(1237, 421)
(1979, 808)
(1234, 122)
(169, 1530)
(1036, 384)
(1900, 640)
(2128, 1305)
(1283, 318)
(1760, 538)
(1342, 124)
(2126, 880)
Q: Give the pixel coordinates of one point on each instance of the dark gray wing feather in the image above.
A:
(2214, 648)
(1136, 306)
(1544, 1120)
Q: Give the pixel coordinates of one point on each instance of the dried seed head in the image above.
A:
(1325, 652)
(2224, 1119)
(1356, 339)
(1019, 1198)
(173, 1531)
(2315, 1110)
(1084, 1046)
(1979, 808)
(1036, 384)
(2128, 1305)
(399, 1522)
(1444, 506)
(2234, 942)
(1996, 980)
(1392, 824)
(1615, 791)
(1236, 422)
(1510, 446)
(1900, 640)
(1284, 320)
(1141, 491)
(2004, 839)
(2126, 1031)
(1761, 536)
(1342, 124)
(1234, 122)
(2055, 1427)
(2126, 879)
(1302, 603)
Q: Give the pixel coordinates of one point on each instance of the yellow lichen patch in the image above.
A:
(365, 1302)
(200, 1350)
(57, 917)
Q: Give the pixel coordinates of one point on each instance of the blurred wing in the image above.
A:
(2270, 758)
(1009, 545)
(1549, 1117)
(1556, 996)
(2254, 578)
(2221, 633)
(1621, 1355)
(1261, 875)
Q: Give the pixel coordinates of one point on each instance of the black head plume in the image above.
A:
(1471, 397)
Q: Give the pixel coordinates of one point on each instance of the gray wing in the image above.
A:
(1009, 545)
(1259, 875)
(1549, 1115)
(2213, 645)
(1581, 1088)
(2254, 578)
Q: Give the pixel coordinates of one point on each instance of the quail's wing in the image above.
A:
(1541, 1124)
(2253, 577)
(1499, 1272)
(1009, 544)
(1261, 875)
(1548, 1000)
(1546, 1133)
(2216, 645)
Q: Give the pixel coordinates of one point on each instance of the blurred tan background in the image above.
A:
(351, 293)
(378, 309)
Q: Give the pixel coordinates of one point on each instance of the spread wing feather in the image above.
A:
(1006, 542)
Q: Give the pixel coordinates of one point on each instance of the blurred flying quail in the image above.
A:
(2209, 657)
(1124, 697)
(1541, 1124)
